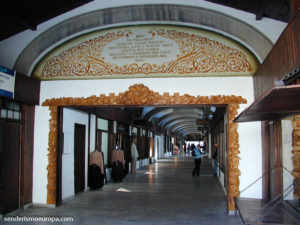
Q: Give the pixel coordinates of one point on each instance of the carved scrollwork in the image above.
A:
(296, 153)
(233, 158)
(139, 94)
(52, 142)
(180, 53)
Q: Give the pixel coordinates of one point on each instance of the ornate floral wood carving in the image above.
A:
(119, 53)
(141, 95)
(52, 142)
(296, 152)
(198, 55)
(233, 158)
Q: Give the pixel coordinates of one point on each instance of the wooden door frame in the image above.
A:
(20, 154)
(266, 151)
(140, 95)
(26, 153)
(265, 161)
(98, 141)
(278, 157)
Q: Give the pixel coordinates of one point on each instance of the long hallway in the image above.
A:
(162, 193)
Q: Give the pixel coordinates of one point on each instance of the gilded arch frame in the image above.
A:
(140, 95)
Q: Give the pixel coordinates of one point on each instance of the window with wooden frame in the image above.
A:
(10, 110)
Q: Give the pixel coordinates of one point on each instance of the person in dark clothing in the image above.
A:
(215, 158)
(197, 157)
(96, 170)
(189, 149)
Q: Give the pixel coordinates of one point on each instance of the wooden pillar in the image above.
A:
(295, 7)
(233, 158)
(278, 157)
(296, 153)
(265, 161)
(52, 156)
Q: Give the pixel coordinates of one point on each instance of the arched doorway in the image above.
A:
(140, 95)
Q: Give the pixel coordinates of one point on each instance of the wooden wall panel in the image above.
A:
(283, 58)
(11, 169)
(27, 154)
(27, 90)
(295, 5)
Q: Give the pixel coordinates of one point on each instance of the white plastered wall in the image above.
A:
(70, 117)
(249, 133)
(287, 161)
(251, 159)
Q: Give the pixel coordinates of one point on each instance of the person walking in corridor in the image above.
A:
(215, 158)
(197, 157)
(134, 155)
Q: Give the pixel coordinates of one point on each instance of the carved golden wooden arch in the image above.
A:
(140, 95)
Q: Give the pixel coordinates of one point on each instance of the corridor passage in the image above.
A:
(161, 193)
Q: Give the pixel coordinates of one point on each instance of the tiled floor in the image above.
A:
(161, 193)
